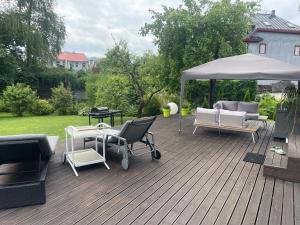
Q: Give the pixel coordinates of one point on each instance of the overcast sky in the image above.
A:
(92, 25)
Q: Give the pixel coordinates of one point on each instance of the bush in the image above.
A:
(42, 107)
(3, 107)
(19, 98)
(268, 105)
(91, 89)
(153, 107)
(63, 101)
(116, 92)
(247, 97)
(197, 91)
(83, 109)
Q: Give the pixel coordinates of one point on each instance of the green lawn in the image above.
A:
(50, 125)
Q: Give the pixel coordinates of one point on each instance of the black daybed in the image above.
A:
(23, 168)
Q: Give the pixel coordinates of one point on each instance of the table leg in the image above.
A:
(112, 120)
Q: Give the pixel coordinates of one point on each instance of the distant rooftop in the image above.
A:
(72, 56)
(270, 21)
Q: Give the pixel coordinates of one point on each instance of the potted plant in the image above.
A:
(184, 110)
(285, 113)
(166, 110)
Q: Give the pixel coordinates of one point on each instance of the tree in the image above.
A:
(144, 72)
(8, 68)
(31, 31)
(62, 100)
(197, 32)
(19, 98)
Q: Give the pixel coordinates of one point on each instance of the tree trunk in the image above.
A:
(140, 109)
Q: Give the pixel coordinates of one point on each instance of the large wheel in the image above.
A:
(64, 157)
(125, 164)
(158, 155)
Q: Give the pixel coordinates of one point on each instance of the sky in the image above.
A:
(93, 26)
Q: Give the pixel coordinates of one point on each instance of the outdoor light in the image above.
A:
(173, 108)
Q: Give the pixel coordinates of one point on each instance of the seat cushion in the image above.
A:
(230, 105)
(204, 115)
(232, 118)
(249, 107)
(252, 116)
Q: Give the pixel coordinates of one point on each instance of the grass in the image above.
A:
(50, 125)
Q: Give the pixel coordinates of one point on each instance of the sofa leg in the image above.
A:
(253, 138)
(195, 130)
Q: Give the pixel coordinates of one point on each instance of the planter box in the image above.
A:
(283, 123)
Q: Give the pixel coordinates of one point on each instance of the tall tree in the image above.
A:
(144, 72)
(197, 32)
(31, 31)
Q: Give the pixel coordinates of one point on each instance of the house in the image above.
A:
(274, 37)
(72, 60)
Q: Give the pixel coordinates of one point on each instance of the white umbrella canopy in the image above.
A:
(240, 67)
(243, 67)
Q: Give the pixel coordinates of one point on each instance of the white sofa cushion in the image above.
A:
(232, 118)
(208, 116)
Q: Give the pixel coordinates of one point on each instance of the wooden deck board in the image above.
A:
(201, 179)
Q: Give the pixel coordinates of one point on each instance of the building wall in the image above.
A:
(279, 46)
(74, 65)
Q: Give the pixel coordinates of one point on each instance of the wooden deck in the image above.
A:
(200, 179)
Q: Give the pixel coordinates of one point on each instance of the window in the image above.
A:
(262, 48)
(83, 65)
(297, 50)
(76, 64)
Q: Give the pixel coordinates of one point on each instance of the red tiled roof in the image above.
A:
(72, 56)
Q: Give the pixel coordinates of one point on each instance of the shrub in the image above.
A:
(205, 103)
(91, 89)
(116, 92)
(3, 106)
(62, 100)
(83, 109)
(153, 107)
(268, 105)
(19, 98)
(247, 97)
(42, 107)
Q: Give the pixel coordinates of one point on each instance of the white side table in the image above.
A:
(83, 157)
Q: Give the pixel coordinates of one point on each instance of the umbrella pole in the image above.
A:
(180, 104)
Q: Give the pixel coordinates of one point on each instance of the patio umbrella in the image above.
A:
(240, 67)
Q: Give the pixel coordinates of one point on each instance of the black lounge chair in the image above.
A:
(132, 131)
(23, 168)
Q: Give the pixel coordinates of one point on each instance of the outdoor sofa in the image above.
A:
(23, 167)
(224, 120)
(251, 108)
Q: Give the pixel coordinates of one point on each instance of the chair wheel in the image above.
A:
(63, 158)
(125, 164)
(158, 155)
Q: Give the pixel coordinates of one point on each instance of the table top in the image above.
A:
(83, 131)
(90, 131)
